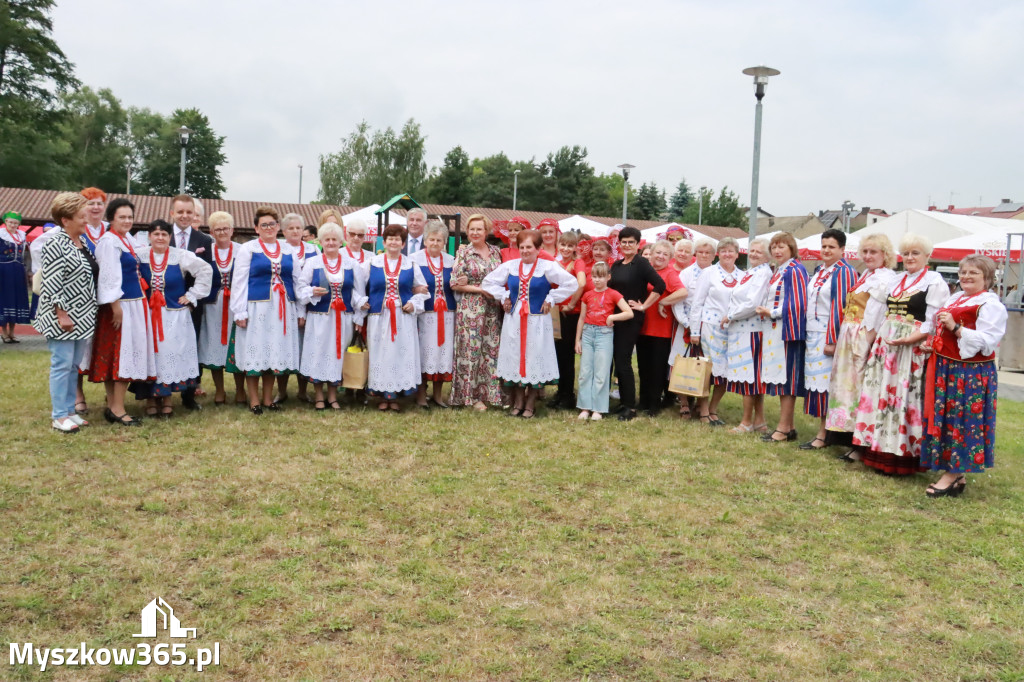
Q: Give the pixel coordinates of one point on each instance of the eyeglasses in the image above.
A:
(356, 234)
(628, 242)
(266, 225)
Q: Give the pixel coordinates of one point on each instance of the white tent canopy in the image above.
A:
(369, 216)
(651, 234)
(991, 244)
(591, 228)
(745, 241)
(937, 226)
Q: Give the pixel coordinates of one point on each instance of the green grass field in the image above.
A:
(454, 545)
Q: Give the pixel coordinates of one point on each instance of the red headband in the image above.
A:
(522, 221)
(552, 222)
(501, 230)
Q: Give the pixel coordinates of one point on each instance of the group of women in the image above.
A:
(890, 363)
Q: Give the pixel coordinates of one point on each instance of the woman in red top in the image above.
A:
(569, 311)
(549, 234)
(655, 340)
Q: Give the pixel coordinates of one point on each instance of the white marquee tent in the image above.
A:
(591, 228)
(938, 226)
(369, 216)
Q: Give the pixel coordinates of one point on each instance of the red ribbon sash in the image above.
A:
(440, 307)
(282, 306)
(157, 302)
(224, 317)
(394, 319)
(338, 306)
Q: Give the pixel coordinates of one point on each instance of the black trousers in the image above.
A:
(652, 364)
(623, 343)
(565, 353)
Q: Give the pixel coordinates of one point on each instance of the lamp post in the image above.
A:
(183, 135)
(515, 188)
(626, 167)
(700, 206)
(300, 183)
(761, 75)
(848, 206)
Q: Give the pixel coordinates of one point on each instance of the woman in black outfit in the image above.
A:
(630, 276)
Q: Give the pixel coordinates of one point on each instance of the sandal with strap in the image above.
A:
(810, 445)
(320, 405)
(952, 490)
(715, 421)
(335, 405)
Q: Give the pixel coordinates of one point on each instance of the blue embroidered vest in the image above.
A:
(130, 286)
(378, 284)
(539, 289)
(174, 283)
(320, 280)
(449, 296)
(260, 274)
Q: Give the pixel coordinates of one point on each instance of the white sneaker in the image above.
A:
(614, 393)
(584, 416)
(596, 417)
(65, 425)
(78, 420)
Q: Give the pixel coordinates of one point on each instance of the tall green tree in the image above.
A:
(203, 158)
(33, 73)
(572, 186)
(95, 125)
(723, 211)
(139, 141)
(680, 199)
(452, 183)
(650, 202)
(372, 166)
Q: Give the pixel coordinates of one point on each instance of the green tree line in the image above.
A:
(56, 133)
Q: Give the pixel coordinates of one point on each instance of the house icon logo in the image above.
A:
(158, 611)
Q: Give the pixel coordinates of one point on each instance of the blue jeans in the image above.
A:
(595, 368)
(65, 356)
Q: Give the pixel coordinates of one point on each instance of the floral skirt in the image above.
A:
(962, 438)
(851, 356)
(889, 414)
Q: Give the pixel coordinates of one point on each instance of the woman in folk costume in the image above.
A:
(14, 302)
(890, 424)
(95, 227)
(329, 283)
(437, 323)
(215, 332)
(122, 348)
(477, 321)
(827, 289)
(527, 288)
(682, 254)
(710, 305)
(865, 310)
(355, 236)
(782, 348)
(265, 340)
(395, 291)
(960, 399)
(744, 330)
(170, 314)
(703, 251)
(292, 228)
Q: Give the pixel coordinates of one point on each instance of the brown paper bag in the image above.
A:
(556, 322)
(355, 366)
(691, 376)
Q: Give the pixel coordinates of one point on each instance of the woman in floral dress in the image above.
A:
(477, 321)
(889, 416)
(865, 309)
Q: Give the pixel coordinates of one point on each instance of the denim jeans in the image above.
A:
(595, 366)
(65, 356)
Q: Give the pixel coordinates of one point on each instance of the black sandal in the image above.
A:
(952, 490)
(335, 405)
(515, 411)
(715, 421)
(810, 445)
(320, 405)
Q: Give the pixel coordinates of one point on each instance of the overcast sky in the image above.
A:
(889, 104)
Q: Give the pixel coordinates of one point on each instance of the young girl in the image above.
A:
(594, 342)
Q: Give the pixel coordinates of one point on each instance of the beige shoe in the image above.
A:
(584, 416)
(596, 417)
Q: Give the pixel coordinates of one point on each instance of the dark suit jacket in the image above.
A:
(405, 249)
(200, 244)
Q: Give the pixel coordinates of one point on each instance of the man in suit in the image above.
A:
(187, 235)
(415, 221)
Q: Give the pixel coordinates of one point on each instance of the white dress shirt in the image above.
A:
(182, 241)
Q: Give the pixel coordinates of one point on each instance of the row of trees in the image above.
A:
(375, 164)
(56, 133)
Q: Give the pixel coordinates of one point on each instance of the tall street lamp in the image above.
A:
(848, 206)
(761, 75)
(626, 167)
(700, 206)
(300, 183)
(515, 188)
(183, 135)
